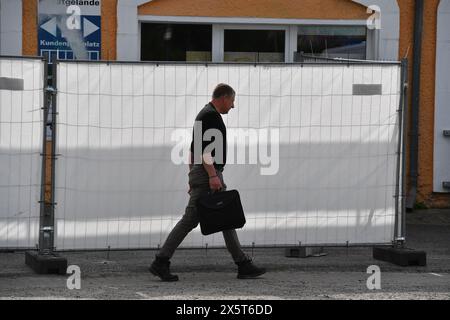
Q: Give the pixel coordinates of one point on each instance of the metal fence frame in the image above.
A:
(42, 152)
(47, 206)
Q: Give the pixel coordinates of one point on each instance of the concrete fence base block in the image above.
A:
(46, 264)
(304, 252)
(401, 256)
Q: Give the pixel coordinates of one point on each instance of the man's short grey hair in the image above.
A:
(222, 90)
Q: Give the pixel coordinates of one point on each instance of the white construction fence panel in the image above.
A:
(21, 134)
(312, 150)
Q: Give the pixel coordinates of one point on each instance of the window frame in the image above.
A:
(219, 31)
(370, 53)
(290, 26)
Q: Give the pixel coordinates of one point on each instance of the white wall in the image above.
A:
(442, 106)
(389, 35)
(11, 27)
(128, 46)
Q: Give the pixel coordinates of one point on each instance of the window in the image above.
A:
(176, 42)
(254, 45)
(333, 41)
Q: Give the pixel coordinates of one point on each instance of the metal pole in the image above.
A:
(405, 116)
(400, 174)
(47, 209)
(45, 230)
(45, 260)
(54, 155)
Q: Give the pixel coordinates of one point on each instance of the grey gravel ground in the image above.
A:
(341, 274)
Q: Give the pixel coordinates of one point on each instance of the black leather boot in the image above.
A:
(247, 270)
(161, 268)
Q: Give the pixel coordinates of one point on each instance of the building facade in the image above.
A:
(269, 31)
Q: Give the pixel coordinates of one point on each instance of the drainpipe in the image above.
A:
(0, 27)
(414, 128)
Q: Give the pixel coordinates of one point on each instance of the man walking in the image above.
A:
(205, 175)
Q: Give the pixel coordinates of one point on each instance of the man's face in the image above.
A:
(228, 103)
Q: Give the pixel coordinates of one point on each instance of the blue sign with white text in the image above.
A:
(81, 40)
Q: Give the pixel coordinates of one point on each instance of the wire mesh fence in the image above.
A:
(21, 136)
(313, 150)
(301, 57)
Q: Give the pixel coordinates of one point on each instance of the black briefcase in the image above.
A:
(220, 211)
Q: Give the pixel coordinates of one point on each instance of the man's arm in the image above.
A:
(208, 163)
(191, 160)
